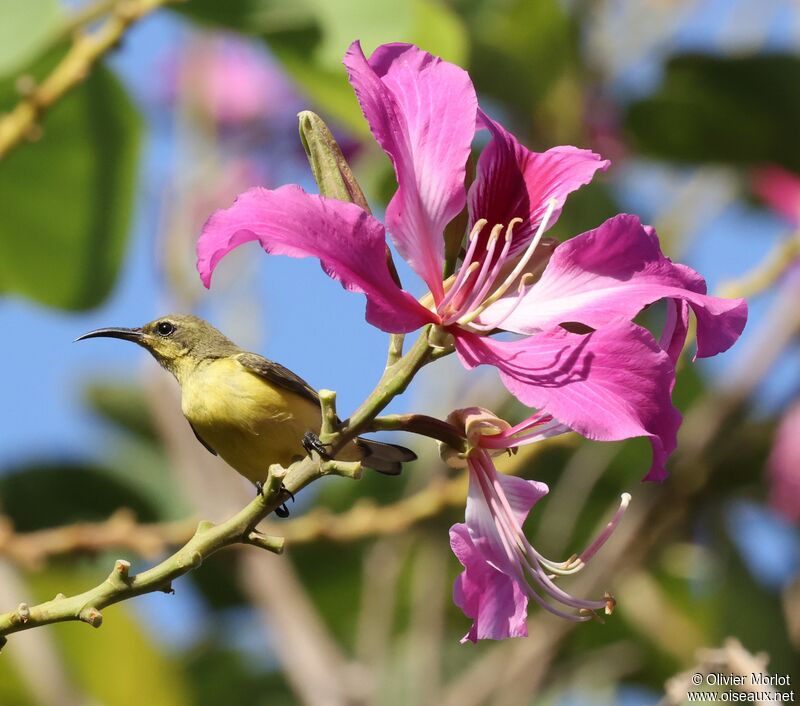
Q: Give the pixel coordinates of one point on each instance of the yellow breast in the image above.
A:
(248, 421)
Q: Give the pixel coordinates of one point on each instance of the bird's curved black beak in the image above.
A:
(126, 334)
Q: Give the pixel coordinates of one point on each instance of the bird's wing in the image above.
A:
(278, 375)
(202, 440)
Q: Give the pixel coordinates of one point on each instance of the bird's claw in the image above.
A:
(312, 443)
(281, 511)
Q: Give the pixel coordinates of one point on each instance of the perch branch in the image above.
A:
(239, 529)
(121, 584)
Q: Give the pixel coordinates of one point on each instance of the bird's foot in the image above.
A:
(282, 510)
(312, 443)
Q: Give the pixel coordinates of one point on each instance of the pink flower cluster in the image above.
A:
(579, 360)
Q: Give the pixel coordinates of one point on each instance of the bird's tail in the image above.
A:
(384, 458)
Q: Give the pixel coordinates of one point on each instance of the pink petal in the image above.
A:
(780, 190)
(522, 494)
(421, 111)
(675, 328)
(613, 272)
(349, 243)
(513, 182)
(614, 383)
(485, 529)
(494, 600)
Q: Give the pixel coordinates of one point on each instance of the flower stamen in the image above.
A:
(524, 283)
(503, 288)
(591, 550)
(485, 284)
(526, 561)
(464, 271)
(459, 303)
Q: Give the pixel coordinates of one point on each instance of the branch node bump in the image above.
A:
(92, 616)
(346, 469)
(195, 559)
(122, 568)
(23, 613)
(274, 482)
(204, 526)
(271, 544)
(330, 422)
(59, 596)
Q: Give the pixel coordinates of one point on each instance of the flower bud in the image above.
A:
(331, 171)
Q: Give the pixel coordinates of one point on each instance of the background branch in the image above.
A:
(31, 550)
(22, 121)
(365, 519)
(767, 273)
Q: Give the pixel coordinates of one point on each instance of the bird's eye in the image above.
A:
(165, 328)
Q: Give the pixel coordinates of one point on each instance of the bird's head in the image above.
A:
(177, 341)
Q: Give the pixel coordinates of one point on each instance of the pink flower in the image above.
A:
(613, 381)
(784, 467)
(780, 190)
(502, 570)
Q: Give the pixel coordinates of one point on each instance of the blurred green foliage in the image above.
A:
(25, 30)
(741, 110)
(310, 37)
(67, 199)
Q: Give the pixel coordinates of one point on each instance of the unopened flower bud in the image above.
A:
(331, 171)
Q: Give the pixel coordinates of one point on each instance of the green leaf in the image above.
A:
(45, 494)
(741, 110)
(25, 28)
(67, 199)
(430, 25)
(123, 405)
(316, 65)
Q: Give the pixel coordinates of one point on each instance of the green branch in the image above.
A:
(121, 585)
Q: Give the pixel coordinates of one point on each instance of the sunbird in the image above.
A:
(249, 411)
